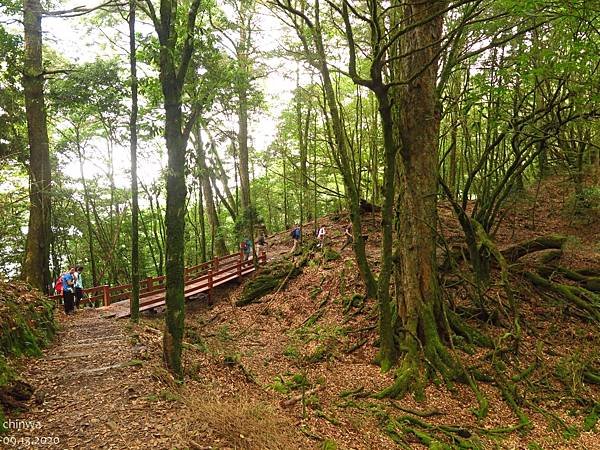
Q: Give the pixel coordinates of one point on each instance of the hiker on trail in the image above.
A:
(261, 243)
(68, 285)
(296, 234)
(58, 285)
(78, 286)
(321, 236)
(349, 237)
(246, 248)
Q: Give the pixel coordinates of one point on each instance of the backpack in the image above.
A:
(58, 284)
(296, 233)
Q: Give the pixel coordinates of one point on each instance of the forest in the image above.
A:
(448, 150)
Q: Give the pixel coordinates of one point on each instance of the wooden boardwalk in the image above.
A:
(200, 279)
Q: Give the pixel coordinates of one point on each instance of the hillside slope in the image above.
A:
(302, 356)
(294, 369)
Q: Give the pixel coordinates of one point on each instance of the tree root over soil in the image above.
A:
(425, 357)
(585, 300)
(271, 278)
(429, 353)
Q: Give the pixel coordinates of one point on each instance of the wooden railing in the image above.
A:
(202, 276)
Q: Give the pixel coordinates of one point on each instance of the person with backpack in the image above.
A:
(321, 236)
(296, 234)
(78, 285)
(261, 244)
(246, 248)
(68, 288)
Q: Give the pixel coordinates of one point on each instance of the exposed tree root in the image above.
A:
(435, 436)
(412, 375)
(509, 393)
(356, 346)
(591, 377)
(427, 413)
(590, 283)
(579, 297)
(517, 251)
(472, 335)
(314, 317)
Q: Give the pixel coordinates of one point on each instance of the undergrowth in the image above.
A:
(26, 326)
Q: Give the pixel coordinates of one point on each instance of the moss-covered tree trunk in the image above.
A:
(36, 270)
(175, 56)
(246, 13)
(135, 252)
(420, 303)
(342, 159)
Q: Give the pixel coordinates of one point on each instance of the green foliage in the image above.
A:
(330, 254)
(224, 334)
(291, 352)
(7, 373)
(13, 215)
(279, 385)
(3, 429)
(321, 352)
(570, 432)
(26, 320)
(591, 419)
(285, 386)
(329, 444)
(570, 371)
(169, 396)
(13, 133)
(585, 204)
(26, 326)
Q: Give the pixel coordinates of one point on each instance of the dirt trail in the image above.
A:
(93, 391)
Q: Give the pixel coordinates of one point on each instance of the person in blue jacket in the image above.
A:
(69, 291)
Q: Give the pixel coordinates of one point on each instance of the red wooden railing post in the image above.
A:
(149, 283)
(106, 294)
(216, 263)
(239, 265)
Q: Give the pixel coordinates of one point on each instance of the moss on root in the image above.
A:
(268, 280)
(472, 335)
(425, 357)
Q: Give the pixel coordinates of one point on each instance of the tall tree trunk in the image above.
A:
(246, 12)
(420, 303)
(88, 218)
(174, 64)
(286, 218)
(135, 252)
(175, 229)
(213, 216)
(243, 151)
(201, 212)
(36, 269)
(343, 162)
